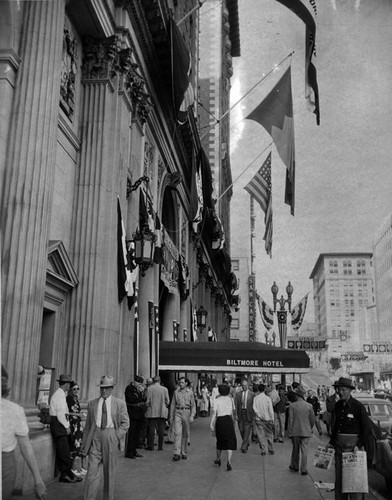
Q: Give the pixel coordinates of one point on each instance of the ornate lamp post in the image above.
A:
(282, 313)
(201, 318)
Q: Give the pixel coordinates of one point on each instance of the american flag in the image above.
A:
(136, 333)
(260, 189)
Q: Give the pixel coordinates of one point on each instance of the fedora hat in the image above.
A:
(300, 391)
(344, 382)
(64, 378)
(107, 381)
(139, 378)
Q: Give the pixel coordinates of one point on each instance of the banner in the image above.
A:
(298, 313)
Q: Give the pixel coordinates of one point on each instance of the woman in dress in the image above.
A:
(75, 421)
(204, 404)
(222, 425)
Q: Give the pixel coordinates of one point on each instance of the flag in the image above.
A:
(194, 325)
(132, 275)
(266, 313)
(298, 313)
(121, 255)
(180, 61)
(282, 327)
(275, 114)
(308, 17)
(136, 335)
(260, 189)
(156, 319)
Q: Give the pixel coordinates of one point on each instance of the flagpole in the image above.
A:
(240, 175)
(218, 120)
(252, 227)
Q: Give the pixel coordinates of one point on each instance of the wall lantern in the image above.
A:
(201, 318)
(144, 240)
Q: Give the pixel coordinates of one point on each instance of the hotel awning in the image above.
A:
(250, 357)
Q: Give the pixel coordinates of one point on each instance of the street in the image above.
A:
(157, 477)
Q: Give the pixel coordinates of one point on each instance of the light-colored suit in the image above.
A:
(102, 446)
(157, 413)
(300, 424)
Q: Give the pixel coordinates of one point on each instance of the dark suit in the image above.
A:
(245, 417)
(102, 446)
(136, 405)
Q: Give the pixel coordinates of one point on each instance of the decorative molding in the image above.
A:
(68, 72)
(9, 56)
(100, 58)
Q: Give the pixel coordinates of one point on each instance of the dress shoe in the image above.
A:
(160, 449)
(169, 442)
(184, 457)
(304, 473)
(176, 458)
(69, 479)
(228, 466)
(292, 469)
(244, 451)
(280, 441)
(149, 448)
(271, 452)
(217, 461)
(137, 455)
(263, 453)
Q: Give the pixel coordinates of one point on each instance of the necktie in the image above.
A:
(104, 418)
(244, 400)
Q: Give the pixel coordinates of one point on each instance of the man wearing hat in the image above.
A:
(300, 423)
(157, 412)
(135, 398)
(350, 427)
(60, 428)
(106, 425)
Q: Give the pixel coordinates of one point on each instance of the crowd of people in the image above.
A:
(87, 443)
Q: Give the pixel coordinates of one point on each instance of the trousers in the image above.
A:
(345, 443)
(245, 428)
(181, 431)
(157, 424)
(299, 454)
(103, 452)
(265, 434)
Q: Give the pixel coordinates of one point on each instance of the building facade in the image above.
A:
(342, 287)
(382, 251)
(95, 133)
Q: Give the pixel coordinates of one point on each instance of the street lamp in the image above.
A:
(144, 240)
(282, 313)
(201, 318)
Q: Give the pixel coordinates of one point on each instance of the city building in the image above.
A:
(382, 256)
(111, 240)
(342, 287)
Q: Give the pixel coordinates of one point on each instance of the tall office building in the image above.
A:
(383, 277)
(342, 288)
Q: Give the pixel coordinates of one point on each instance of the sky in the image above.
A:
(343, 166)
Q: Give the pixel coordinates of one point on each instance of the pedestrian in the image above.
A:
(157, 412)
(144, 428)
(204, 403)
(314, 401)
(182, 412)
(61, 430)
(300, 425)
(75, 422)
(135, 398)
(280, 415)
(350, 428)
(214, 393)
(222, 425)
(104, 434)
(245, 414)
(330, 405)
(264, 420)
(15, 432)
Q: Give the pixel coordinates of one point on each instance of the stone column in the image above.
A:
(27, 191)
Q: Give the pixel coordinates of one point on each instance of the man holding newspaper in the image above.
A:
(350, 425)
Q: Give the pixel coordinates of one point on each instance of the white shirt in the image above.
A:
(13, 424)
(244, 399)
(109, 412)
(59, 408)
(262, 406)
(223, 406)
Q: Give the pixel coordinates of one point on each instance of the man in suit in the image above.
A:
(299, 429)
(103, 436)
(157, 412)
(245, 413)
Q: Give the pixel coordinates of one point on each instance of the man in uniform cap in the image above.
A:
(103, 436)
(135, 398)
(350, 427)
(60, 429)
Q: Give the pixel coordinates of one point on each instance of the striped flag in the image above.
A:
(266, 313)
(275, 114)
(307, 15)
(298, 313)
(122, 277)
(260, 189)
(136, 333)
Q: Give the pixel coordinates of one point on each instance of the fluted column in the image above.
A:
(27, 191)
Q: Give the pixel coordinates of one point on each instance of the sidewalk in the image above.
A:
(157, 477)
